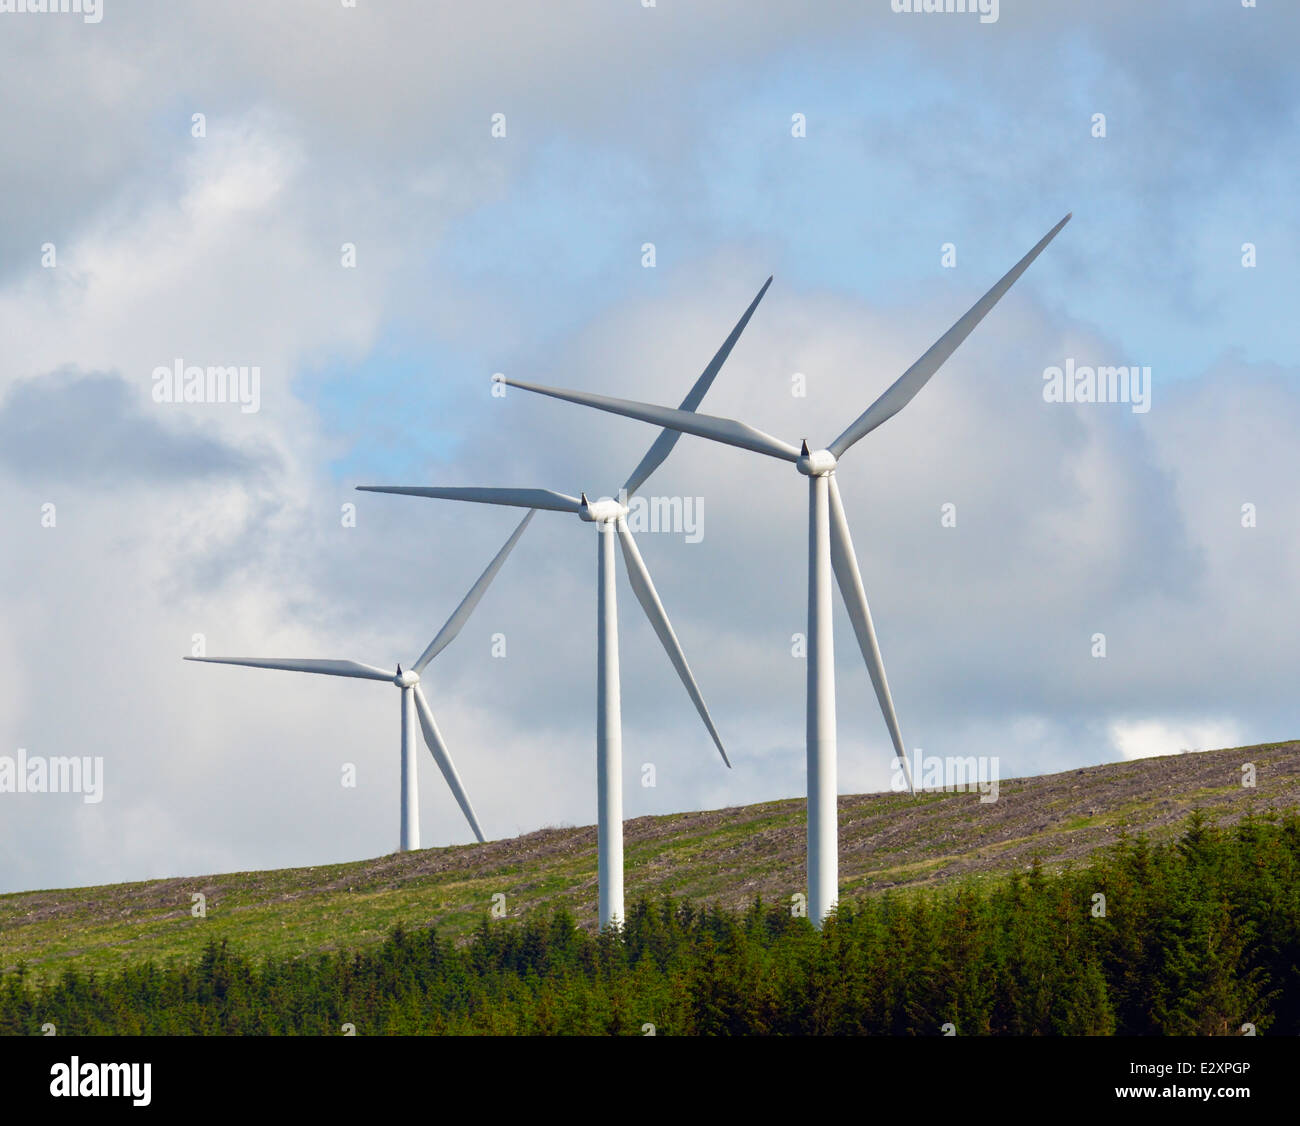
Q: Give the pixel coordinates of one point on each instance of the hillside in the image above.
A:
(728, 856)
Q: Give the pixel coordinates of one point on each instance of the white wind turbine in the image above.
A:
(413, 700)
(830, 547)
(609, 516)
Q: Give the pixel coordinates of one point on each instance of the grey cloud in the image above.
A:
(94, 429)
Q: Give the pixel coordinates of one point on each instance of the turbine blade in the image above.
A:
(448, 633)
(724, 430)
(328, 668)
(433, 737)
(902, 391)
(646, 594)
(663, 445)
(849, 580)
(517, 498)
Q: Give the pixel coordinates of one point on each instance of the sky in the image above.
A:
(350, 218)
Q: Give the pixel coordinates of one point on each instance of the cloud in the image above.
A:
(370, 126)
(92, 430)
(1149, 738)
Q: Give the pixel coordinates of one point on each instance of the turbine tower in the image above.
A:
(609, 516)
(830, 548)
(413, 701)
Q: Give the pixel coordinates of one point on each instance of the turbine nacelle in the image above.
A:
(603, 511)
(815, 464)
(405, 678)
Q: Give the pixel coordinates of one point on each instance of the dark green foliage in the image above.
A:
(1198, 937)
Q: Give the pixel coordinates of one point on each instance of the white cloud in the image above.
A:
(1150, 738)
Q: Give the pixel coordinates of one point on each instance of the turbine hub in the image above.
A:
(405, 678)
(815, 464)
(603, 511)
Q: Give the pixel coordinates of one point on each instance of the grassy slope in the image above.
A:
(726, 855)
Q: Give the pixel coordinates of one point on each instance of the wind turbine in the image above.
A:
(413, 700)
(829, 547)
(609, 516)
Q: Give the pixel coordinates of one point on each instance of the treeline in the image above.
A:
(1197, 936)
